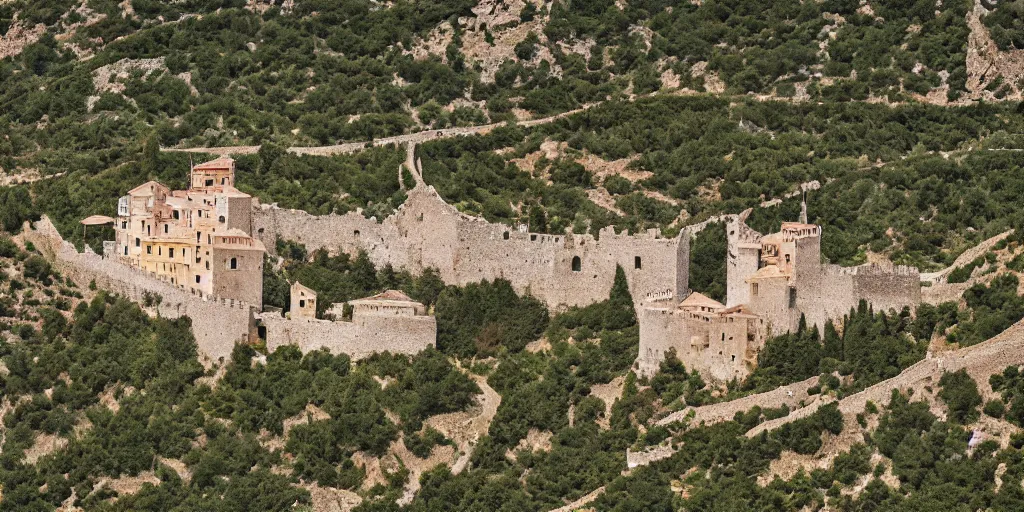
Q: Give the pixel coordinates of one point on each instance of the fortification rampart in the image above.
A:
(561, 270)
(358, 339)
(216, 323)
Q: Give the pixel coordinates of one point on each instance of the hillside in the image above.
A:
(900, 122)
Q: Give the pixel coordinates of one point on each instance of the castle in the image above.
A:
(772, 280)
(208, 243)
(196, 239)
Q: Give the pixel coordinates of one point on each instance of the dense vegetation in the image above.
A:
(777, 95)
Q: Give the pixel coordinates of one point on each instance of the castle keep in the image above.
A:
(771, 281)
(426, 232)
(196, 239)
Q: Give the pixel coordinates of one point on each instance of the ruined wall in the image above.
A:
(358, 339)
(720, 349)
(742, 260)
(426, 232)
(661, 331)
(245, 281)
(216, 323)
(839, 289)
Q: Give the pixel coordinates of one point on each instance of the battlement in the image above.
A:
(561, 269)
(872, 269)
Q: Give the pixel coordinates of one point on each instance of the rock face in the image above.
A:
(560, 270)
(985, 62)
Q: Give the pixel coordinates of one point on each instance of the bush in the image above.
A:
(960, 393)
(482, 318)
(994, 408)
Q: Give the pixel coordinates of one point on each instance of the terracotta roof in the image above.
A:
(146, 189)
(797, 225)
(767, 272)
(233, 192)
(96, 220)
(697, 299)
(224, 162)
(391, 295)
(252, 243)
(299, 286)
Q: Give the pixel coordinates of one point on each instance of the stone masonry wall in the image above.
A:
(426, 232)
(216, 323)
(359, 339)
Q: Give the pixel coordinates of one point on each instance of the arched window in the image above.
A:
(576, 265)
(220, 219)
(233, 264)
(637, 264)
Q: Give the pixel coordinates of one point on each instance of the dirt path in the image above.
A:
(791, 395)
(966, 257)
(466, 428)
(578, 504)
(980, 361)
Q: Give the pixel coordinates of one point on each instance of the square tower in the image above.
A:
(215, 173)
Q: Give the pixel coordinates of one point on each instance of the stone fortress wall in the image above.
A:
(561, 270)
(216, 323)
(359, 338)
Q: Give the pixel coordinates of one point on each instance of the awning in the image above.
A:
(97, 220)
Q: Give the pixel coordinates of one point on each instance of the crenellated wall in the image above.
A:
(426, 232)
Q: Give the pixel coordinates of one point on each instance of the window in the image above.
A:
(149, 249)
(148, 232)
(209, 183)
(576, 265)
(137, 241)
(220, 219)
(753, 289)
(159, 251)
(126, 250)
(223, 181)
(199, 236)
(207, 265)
(734, 358)
(356, 232)
(124, 224)
(166, 228)
(302, 303)
(233, 264)
(787, 258)
(792, 297)
(636, 263)
(170, 252)
(533, 238)
(197, 279)
(177, 215)
(505, 236)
